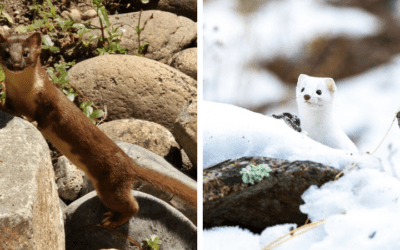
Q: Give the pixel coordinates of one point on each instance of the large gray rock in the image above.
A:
(134, 87)
(166, 33)
(274, 200)
(186, 62)
(30, 213)
(149, 135)
(187, 8)
(154, 217)
(69, 179)
(185, 130)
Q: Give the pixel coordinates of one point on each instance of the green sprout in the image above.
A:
(153, 242)
(251, 173)
(90, 112)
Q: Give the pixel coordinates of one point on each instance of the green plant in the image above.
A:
(112, 44)
(142, 46)
(4, 15)
(59, 75)
(251, 173)
(90, 112)
(153, 242)
(2, 93)
(47, 12)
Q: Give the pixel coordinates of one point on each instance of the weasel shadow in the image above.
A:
(4, 119)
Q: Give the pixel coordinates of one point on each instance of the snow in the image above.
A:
(361, 209)
(230, 132)
(227, 237)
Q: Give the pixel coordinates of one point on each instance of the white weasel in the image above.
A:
(315, 97)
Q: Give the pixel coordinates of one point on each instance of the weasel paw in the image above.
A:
(107, 219)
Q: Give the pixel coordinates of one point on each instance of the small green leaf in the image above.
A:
(102, 12)
(153, 242)
(97, 113)
(85, 105)
(51, 48)
(2, 95)
(22, 29)
(2, 75)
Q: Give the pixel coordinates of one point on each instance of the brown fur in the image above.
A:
(113, 172)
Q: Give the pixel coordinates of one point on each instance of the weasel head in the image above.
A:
(314, 93)
(19, 51)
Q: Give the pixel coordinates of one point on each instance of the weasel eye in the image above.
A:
(26, 54)
(6, 54)
(319, 92)
(302, 90)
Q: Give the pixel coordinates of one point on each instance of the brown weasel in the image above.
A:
(29, 93)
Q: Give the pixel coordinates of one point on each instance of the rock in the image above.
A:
(185, 131)
(30, 213)
(274, 200)
(186, 62)
(154, 217)
(165, 33)
(89, 14)
(186, 8)
(87, 186)
(134, 87)
(148, 135)
(291, 120)
(69, 179)
(73, 13)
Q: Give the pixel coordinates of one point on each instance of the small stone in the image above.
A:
(65, 14)
(89, 14)
(75, 14)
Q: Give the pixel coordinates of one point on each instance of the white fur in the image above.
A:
(317, 113)
(39, 83)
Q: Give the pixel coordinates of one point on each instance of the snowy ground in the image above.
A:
(366, 105)
(361, 209)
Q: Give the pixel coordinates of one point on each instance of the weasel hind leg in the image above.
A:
(123, 206)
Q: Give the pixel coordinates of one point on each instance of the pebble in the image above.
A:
(89, 14)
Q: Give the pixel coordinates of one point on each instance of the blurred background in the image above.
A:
(254, 51)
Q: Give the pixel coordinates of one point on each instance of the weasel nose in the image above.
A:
(16, 65)
(307, 97)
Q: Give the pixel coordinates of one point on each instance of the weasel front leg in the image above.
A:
(10, 110)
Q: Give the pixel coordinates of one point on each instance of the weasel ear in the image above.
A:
(331, 85)
(2, 38)
(302, 77)
(35, 40)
